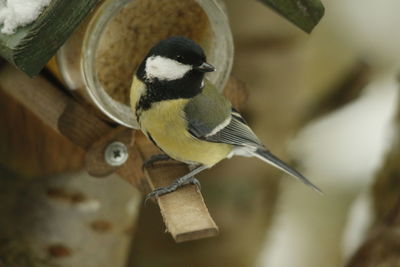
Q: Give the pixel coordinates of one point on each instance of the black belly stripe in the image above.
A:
(144, 103)
(154, 142)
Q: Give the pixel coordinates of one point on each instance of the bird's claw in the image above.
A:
(195, 182)
(172, 187)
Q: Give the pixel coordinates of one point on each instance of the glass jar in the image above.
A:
(98, 62)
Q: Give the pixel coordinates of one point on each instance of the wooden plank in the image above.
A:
(305, 14)
(28, 146)
(38, 95)
(32, 46)
(55, 109)
(95, 162)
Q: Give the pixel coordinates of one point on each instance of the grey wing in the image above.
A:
(229, 129)
(206, 112)
(237, 132)
(210, 117)
(205, 121)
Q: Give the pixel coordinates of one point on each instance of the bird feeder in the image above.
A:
(97, 64)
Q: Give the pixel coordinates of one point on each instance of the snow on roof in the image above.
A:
(17, 13)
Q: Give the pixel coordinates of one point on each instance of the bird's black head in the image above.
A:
(174, 68)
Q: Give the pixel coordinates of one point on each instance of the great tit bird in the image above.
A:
(186, 117)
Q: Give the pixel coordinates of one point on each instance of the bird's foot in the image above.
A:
(173, 187)
(153, 159)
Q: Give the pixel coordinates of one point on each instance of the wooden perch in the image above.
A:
(184, 211)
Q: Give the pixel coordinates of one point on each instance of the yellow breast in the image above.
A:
(166, 124)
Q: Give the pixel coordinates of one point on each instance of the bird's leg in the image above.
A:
(153, 159)
(184, 180)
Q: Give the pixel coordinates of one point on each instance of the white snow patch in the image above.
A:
(344, 149)
(359, 221)
(17, 13)
(369, 27)
(340, 153)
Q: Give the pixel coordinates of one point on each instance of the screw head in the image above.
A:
(116, 153)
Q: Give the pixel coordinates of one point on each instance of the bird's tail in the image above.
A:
(268, 157)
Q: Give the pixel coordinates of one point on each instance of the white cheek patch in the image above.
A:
(163, 68)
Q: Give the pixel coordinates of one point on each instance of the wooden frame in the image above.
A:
(32, 46)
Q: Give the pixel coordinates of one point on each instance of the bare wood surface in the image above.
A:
(80, 125)
(59, 113)
(132, 171)
(95, 162)
(39, 95)
(56, 110)
(29, 142)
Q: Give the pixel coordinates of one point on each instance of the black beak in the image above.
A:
(205, 67)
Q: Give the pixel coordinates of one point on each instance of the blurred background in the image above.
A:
(325, 102)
